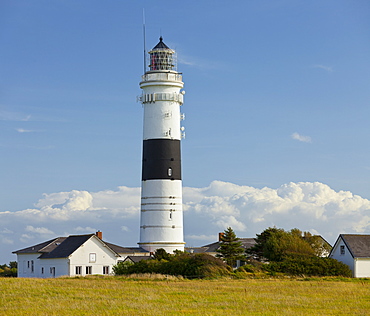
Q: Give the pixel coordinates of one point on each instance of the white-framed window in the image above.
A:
(78, 270)
(42, 270)
(52, 271)
(105, 269)
(92, 257)
(89, 270)
(342, 250)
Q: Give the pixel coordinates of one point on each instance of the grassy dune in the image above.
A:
(119, 296)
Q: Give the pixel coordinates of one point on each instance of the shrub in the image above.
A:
(309, 265)
(122, 267)
(183, 264)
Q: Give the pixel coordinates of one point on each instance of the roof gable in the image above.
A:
(358, 245)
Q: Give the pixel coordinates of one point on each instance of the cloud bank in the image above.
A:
(313, 207)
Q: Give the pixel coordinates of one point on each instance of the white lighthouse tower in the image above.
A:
(161, 222)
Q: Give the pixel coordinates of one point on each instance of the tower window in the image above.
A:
(342, 250)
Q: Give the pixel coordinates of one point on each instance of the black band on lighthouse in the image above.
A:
(161, 159)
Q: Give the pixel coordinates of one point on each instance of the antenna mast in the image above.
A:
(144, 41)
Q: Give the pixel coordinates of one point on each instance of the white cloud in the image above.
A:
(200, 63)
(21, 130)
(301, 138)
(326, 68)
(309, 206)
(14, 116)
(26, 238)
(6, 241)
(85, 230)
(6, 231)
(39, 230)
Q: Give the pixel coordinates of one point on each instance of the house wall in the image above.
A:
(362, 268)
(52, 268)
(27, 265)
(92, 254)
(346, 258)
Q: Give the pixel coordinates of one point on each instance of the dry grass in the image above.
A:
(122, 296)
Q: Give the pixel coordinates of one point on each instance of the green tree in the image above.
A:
(275, 244)
(13, 264)
(260, 250)
(8, 270)
(230, 248)
(161, 254)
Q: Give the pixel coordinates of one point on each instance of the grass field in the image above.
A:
(119, 296)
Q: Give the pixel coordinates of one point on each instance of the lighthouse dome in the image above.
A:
(161, 57)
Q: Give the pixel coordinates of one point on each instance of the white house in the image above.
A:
(354, 251)
(76, 255)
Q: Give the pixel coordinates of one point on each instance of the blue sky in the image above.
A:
(277, 97)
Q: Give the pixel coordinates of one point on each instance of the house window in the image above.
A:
(42, 270)
(52, 271)
(78, 270)
(105, 269)
(92, 257)
(88, 269)
(32, 266)
(342, 250)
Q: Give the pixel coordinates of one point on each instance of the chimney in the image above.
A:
(220, 235)
(99, 234)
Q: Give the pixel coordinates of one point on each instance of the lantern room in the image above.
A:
(162, 57)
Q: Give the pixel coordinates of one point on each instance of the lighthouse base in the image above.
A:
(168, 247)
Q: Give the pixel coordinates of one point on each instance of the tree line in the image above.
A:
(276, 251)
(8, 270)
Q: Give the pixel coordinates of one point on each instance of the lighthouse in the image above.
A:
(161, 219)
